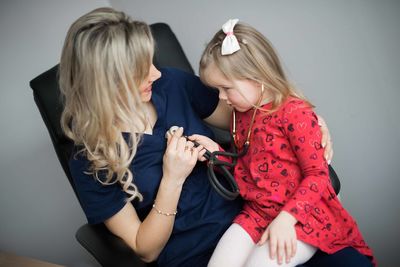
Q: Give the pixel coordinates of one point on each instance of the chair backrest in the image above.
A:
(46, 91)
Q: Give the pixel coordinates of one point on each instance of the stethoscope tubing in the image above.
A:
(213, 164)
(222, 166)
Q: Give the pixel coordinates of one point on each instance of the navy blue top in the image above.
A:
(180, 99)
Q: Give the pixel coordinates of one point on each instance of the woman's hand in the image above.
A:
(205, 143)
(326, 140)
(180, 157)
(282, 237)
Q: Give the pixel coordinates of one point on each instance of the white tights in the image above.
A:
(237, 249)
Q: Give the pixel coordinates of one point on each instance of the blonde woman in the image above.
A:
(291, 210)
(118, 106)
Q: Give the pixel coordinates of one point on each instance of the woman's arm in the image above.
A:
(326, 140)
(149, 237)
(221, 116)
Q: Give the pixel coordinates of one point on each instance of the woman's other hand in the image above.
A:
(326, 140)
(179, 158)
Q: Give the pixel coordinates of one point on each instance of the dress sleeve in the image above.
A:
(203, 99)
(300, 124)
(99, 202)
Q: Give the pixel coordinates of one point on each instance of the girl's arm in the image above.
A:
(149, 237)
(304, 134)
(301, 127)
(207, 143)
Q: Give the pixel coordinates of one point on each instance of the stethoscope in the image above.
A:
(224, 184)
(214, 164)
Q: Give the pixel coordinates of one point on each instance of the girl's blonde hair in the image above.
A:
(256, 60)
(106, 56)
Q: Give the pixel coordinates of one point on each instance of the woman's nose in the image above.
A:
(155, 74)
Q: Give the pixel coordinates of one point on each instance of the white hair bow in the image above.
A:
(230, 44)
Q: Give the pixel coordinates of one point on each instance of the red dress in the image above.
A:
(284, 169)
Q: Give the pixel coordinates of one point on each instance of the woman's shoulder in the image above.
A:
(171, 80)
(175, 75)
(173, 71)
(177, 83)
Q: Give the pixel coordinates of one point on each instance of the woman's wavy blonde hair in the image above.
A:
(106, 56)
(256, 60)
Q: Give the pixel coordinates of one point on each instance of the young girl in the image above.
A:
(283, 177)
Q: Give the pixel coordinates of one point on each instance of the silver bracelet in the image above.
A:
(163, 213)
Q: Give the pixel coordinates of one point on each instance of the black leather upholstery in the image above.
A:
(108, 249)
(168, 52)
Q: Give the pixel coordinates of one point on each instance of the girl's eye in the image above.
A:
(226, 88)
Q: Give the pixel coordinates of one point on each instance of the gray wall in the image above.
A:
(38, 210)
(342, 54)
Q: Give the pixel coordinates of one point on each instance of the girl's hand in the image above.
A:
(179, 158)
(282, 237)
(326, 140)
(205, 143)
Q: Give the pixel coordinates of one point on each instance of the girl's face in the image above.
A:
(146, 86)
(242, 95)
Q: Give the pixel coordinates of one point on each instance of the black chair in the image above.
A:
(108, 249)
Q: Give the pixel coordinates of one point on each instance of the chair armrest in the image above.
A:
(106, 248)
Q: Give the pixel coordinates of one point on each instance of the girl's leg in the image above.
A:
(233, 248)
(260, 256)
(347, 257)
